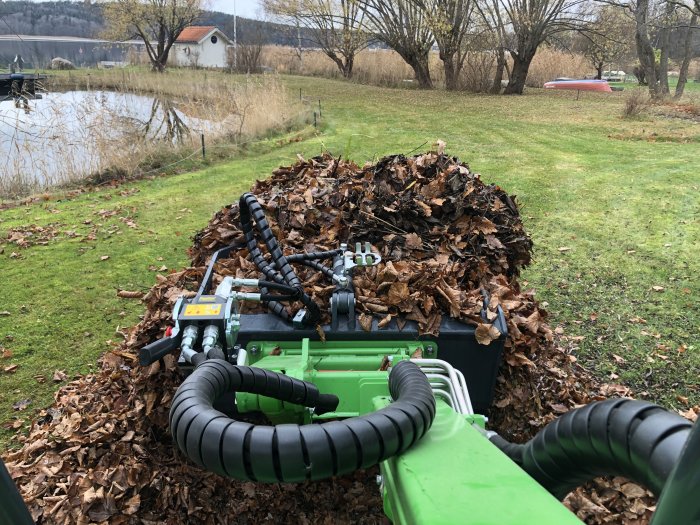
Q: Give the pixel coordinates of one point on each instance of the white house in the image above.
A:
(200, 46)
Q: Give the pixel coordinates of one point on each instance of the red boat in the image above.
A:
(579, 85)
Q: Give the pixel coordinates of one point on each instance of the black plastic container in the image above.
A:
(456, 344)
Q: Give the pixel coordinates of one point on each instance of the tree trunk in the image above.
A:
(665, 40)
(500, 67)
(599, 70)
(451, 73)
(645, 51)
(421, 70)
(347, 68)
(683, 75)
(521, 65)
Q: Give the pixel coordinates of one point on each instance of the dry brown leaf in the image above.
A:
(398, 292)
(413, 241)
(486, 333)
(126, 294)
(365, 321)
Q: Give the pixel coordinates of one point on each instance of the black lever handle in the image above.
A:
(156, 350)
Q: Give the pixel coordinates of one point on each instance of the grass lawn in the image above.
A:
(613, 207)
(691, 87)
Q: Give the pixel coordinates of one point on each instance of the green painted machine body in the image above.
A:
(454, 475)
(355, 372)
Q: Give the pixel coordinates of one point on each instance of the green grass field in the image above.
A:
(613, 207)
(691, 86)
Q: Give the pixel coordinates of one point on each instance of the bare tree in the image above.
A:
(450, 23)
(687, 55)
(332, 25)
(645, 51)
(667, 21)
(684, 15)
(245, 57)
(529, 23)
(157, 22)
(404, 26)
(490, 15)
(607, 38)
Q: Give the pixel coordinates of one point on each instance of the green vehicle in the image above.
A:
(412, 404)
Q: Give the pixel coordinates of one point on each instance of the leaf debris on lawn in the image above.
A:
(127, 294)
(445, 237)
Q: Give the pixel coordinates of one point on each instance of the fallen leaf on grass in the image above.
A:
(657, 288)
(691, 414)
(5, 314)
(126, 294)
(21, 405)
(58, 376)
(11, 369)
(104, 257)
(14, 424)
(564, 249)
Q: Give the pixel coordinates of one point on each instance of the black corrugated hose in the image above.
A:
(293, 453)
(679, 503)
(635, 439)
(280, 271)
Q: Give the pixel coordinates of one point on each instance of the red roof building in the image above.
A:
(201, 46)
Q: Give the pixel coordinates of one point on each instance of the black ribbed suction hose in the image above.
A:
(618, 437)
(290, 452)
(280, 271)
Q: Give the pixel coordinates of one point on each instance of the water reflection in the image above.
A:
(165, 123)
(67, 136)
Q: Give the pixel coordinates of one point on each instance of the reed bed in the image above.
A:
(90, 133)
(385, 67)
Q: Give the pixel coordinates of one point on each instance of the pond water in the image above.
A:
(68, 136)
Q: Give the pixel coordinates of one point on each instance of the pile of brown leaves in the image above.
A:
(26, 236)
(103, 452)
(443, 233)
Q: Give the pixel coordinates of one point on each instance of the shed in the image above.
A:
(200, 46)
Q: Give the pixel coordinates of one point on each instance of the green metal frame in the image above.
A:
(454, 475)
(348, 369)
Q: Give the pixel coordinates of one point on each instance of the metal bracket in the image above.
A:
(360, 257)
(342, 302)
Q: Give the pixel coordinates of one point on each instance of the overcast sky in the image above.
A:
(246, 8)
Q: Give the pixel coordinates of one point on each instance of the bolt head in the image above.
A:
(379, 480)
